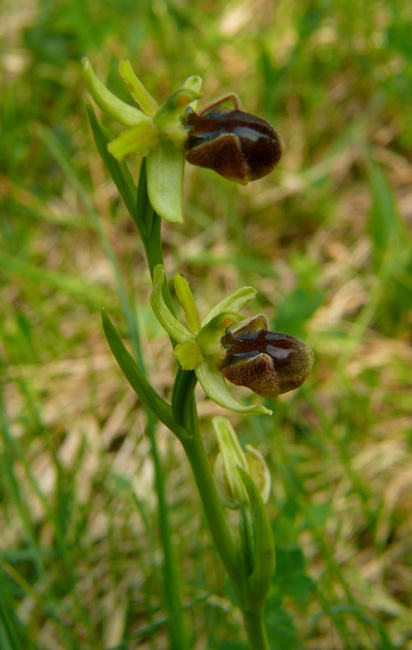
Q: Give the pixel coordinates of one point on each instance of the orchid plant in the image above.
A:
(219, 347)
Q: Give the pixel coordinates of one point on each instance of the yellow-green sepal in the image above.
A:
(165, 167)
(214, 385)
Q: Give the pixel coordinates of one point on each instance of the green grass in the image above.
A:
(325, 238)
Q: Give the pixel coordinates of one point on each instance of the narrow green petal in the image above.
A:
(165, 317)
(234, 302)
(109, 103)
(187, 301)
(137, 141)
(165, 166)
(188, 354)
(193, 83)
(214, 385)
(136, 89)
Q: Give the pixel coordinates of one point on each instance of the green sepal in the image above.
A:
(187, 301)
(188, 354)
(214, 385)
(163, 314)
(109, 103)
(137, 89)
(137, 141)
(165, 167)
(150, 398)
(262, 548)
(234, 302)
(118, 171)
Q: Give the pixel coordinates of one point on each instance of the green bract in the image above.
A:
(199, 347)
(155, 132)
(230, 457)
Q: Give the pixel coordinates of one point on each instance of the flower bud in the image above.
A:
(237, 145)
(269, 363)
(230, 457)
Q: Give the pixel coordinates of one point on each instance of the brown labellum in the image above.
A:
(237, 145)
(269, 363)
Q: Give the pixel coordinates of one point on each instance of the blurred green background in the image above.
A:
(326, 239)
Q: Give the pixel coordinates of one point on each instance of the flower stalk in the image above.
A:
(240, 147)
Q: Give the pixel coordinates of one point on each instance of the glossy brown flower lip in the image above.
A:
(269, 363)
(237, 145)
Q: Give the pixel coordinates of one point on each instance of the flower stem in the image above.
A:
(150, 232)
(215, 516)
(255, 630)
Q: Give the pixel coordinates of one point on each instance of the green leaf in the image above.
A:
(165, 166)
(119, 172)
(259, 581)
(159, 407)
(386, 227)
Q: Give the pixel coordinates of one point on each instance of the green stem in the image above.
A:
(255, 630)
(150, 232)
(212, 505)
(185, 413)
(182, 395)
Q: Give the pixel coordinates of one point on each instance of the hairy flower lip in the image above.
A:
(237, 145)
(196, 351)
(268, 363)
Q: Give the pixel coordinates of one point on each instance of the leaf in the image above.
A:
(159, 407)
(118, 171)
(386, 226)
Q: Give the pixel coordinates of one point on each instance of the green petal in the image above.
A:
(137, 141)
(188, 354)
(109, 103)
(136, 89)
(234, 302)
(193, 83)
(214, 385)
(186, 299)
(165, 166)
(165, 317)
